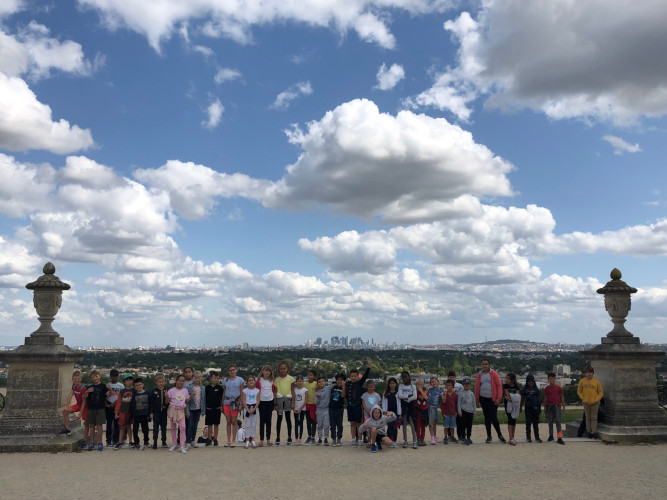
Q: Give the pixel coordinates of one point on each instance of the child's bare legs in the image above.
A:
(511, 429)
(432, 430)
(98, 428)
(354, 430)
(374, 435)
(66, 412)
(232, 427)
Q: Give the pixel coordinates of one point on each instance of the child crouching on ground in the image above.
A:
(377, 425)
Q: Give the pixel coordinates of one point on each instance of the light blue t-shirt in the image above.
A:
(232, 389)
(434, 396)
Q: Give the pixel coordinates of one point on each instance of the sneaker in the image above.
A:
(595, 436)
(187, 446)
(405, 444)
(108, 444)
(465, 442)
(164, 444)
(513, 442)
(560, 441)
(444, 440)
(538, 440)
(91, 446)
(215, 442)
(432, 439)
(184, 449)
(194, 445)
(469, 441)
(141, 447)
(488, 440)
(208, 442)
(326, 442)
(289, 441)
(394, 445)
(551, 438)
(155, 446)
(374, 449)
(452, 439)
(319, 441)
(172, 447)
(246, 445)
(277, 441)
(338, 442)
(528, 440)
(100, 447)
(83, 445)
(414, 445)
(502, 439)
(64, 432)
(379, 445)
(253, 444)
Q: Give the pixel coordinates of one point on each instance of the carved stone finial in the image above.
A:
(48, 280)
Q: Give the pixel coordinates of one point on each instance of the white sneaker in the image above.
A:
(172, 447)
(187, 446)
(141, 447)
(194, 445)
(184, 449)
(246, 445)
(394, 445)
(253, 444)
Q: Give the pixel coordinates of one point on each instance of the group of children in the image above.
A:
(374, 418)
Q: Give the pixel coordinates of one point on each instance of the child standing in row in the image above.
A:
(391, 403)
(466, 407)
(123, 411)
(434, 400)
(300, 400)
(354, 388)
(449, 408)
(530, 397)
(512, 404)
(311, 420)
(267, 402)
(114, 387)
(284, 400)
(407, 393)
(96, 397)
(214, 404)
(323, 409)
(250, 402)
(590, 393)
(195, 406)
(336, 405)
(554, 403)
(140, 410)
(232, 403)
(178, 398)
(421, 411)
(159, 402)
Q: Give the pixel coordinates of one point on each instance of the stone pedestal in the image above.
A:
(39, 380)
(626, 370)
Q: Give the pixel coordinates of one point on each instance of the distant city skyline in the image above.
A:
(418, 171)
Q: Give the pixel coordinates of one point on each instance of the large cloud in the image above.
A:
(158, 20)
(400, 168)
(26, 123)
(598, 60)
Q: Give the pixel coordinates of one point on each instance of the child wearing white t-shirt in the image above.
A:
(300, 400)
(250, 402)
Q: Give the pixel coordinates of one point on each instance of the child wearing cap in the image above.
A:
(466, 407)
(112, 430)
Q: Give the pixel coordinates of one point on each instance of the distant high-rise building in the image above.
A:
(335, 340)
(562, 370)
(309, 343)
(318, 341)
(345, 341)
(246, 347)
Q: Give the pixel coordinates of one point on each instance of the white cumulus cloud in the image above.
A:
(213, 115)
(620, 145)
(388, 78)
(226, 75)
(285, 98)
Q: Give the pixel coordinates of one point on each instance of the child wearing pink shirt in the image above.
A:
(178, 397)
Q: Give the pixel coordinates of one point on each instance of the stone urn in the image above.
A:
(47, 299)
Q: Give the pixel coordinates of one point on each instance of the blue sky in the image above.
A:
(424, 171)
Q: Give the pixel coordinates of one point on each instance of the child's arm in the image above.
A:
(243, 401)
(412, 396)
(293, 398)
(117, 408)
(443, 396)
(369, 363)
(562, 399)
(69, 398)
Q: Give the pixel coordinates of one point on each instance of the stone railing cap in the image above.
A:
(616, 285)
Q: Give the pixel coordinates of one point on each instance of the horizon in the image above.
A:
(439, 171)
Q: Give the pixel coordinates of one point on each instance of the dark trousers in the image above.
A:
(265, 414)
(298, 423)
(279, 424)
(533, 418)
(336, 422)
(392, 431)
(460, 428)
(140, 420)
(467, 424)
(311, 423)
(490, 416)
(160, 422)
(112, 431)
(191, 430)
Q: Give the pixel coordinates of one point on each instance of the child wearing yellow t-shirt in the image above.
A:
(284, 400)
(311, 408)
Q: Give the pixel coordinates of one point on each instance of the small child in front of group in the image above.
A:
(466, 407)
(300, 400)
(311, 408)
(434, 399)
(390, 402)
(159, 404)
(140, 410)
(323, 408)
(377, 428)
(76, 391)
(530, 399)
(448, 407)
(122, 412)
(250, 402)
